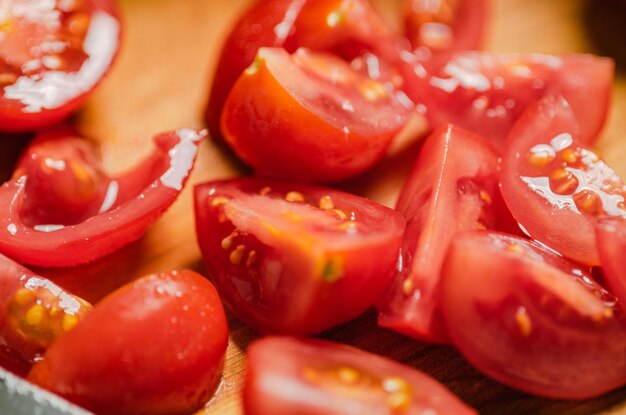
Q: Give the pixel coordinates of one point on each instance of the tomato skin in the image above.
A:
(283, 127)
(453, 187)
(289, 375)
(48, 95)
(156, 345)
(136, 200)
(611, 238)
(287, 266)
(531, 319)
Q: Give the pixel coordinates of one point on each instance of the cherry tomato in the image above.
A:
(446, 25)
(293, 258)
(487, 92)
(453, 187)
(530, 319)
(52, 54)
(556, 187)
(33, 313)
(611, 237)
(314, 377)
(61, 209)
(309, 117)
(155, 346)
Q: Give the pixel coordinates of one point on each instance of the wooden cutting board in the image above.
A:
(161, 81)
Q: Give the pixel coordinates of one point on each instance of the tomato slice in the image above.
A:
(293, 258)
(611, 238)
(288, 376)
(52, 54)
(553, 184)
(530, 319)
(453, 187)
(105, 365)
(33, 313)
(309, 116)
(487, 92)
(447, 25)
(60, 179)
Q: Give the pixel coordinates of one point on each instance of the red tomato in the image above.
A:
(446, 25)
(292, 258)
(33, 313)
(314, 377)
(154, 346)
(611, 237)
(556, 187)
(52, 54)
(453, 187)
(530, 319)
(62, 210)
(309, 117)
(487, 92)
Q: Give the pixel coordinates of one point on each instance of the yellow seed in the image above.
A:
(485, 197)
(294, 197)
(523, 322)
(607, 313)
(23, 296)
(326, 203)
(347, 226)
(7, 78)
(372, 90)
(407, 286)
(237, 255)
(34, 315)
(569, 155)
(347, 375)
(219, 201)
(251, 258)
(69, 321)
(515, 248)
(588, 202)
(78, 23)
(54, 311)
(265, 191)
(399, 401)
(560, 174)
(228, 241)
(342, 215)
(395, 384)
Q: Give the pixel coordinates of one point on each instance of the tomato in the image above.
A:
(311, 377)
(52, 54)
(453, 187)
(155, 346)
(487, 92)
(554, 184)
(349, 28)
(446, 25)
(292, 258)
(531, 319)
(33, 313)
(61, 209)
(309, 116)
(611, 238)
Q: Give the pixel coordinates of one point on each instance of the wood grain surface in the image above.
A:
(161, 81)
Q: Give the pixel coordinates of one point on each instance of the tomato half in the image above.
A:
(453, 187)
(310, 117)
(61, 209)
(530, 319)
(611, 238)
(155, 346)
(33, 313)
(52, 54)
(487, 92)
(557, 188)
(314, 377)
(292, 258)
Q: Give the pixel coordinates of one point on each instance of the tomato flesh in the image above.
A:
(309, 117)
(611, 238)
(297, 259)
(52, 54)
(163, 341)
(314, 377)
(554, 184)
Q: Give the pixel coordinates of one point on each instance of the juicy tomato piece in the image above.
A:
(309, 116)
(487, 92)
(61, 209)
(554, 184)
(349, 28)
(453, 187)
(156, 346)
(293, 258)
(52, 54)
(531, 319)
(314, 377)
(445, 25)
(611, 238)
(33, 313)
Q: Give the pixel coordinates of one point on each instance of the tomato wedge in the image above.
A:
(453, 187)
(553, 184)
(60, 179)
(52, 54)
(155, 346)
(530, 319)
(487, 92)
(292, 258)
(33, 313)
(310, 117)
(289, 376)
(611, 238)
